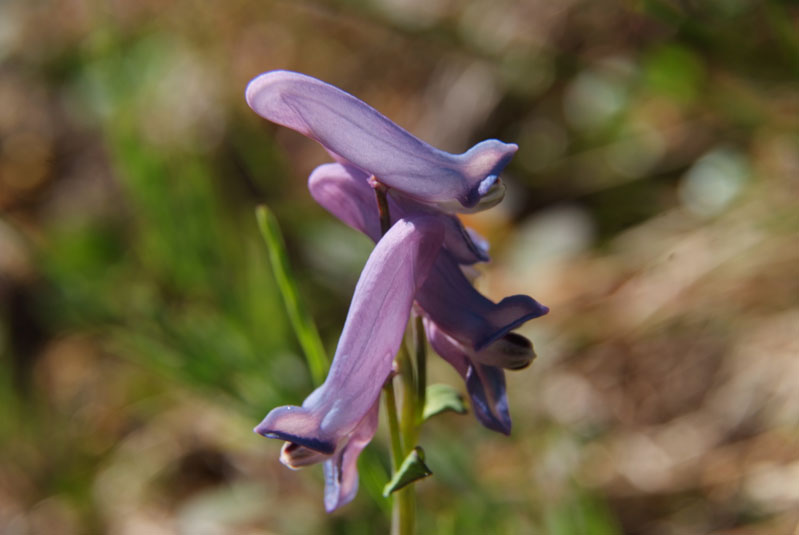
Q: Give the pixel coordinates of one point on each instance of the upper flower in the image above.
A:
(353, 132)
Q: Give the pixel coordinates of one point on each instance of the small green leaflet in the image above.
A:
(412, 469)
(441, 398)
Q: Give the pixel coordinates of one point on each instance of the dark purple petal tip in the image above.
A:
(486, 387)
(297, 425)
(528, 309)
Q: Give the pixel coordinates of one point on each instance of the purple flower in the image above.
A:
(339, 418)
(420, 258)
(468, 330)
(355, 133)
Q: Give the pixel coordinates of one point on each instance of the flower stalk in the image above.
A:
(420, 346)
(406, 497)
(393, 424)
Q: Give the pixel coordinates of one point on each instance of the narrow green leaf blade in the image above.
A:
(441, 398)
(412, 469)
(300, 319)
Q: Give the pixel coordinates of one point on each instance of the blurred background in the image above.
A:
(653, 205)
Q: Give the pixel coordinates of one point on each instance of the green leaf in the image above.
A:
(412, 469)
(301, 321)
(441, 398)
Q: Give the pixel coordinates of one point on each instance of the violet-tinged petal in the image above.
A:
(450, 300)
(447, 296)
(464, 244)
(485, 384)
(371, 337)
(486, 387)
(344, 192)
(359, 134)
(341, 470)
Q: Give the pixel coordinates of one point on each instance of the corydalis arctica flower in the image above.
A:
(468, 330)
(355, 133)
(339, 418)
(420, 258)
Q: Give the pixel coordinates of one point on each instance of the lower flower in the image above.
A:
(339, 418)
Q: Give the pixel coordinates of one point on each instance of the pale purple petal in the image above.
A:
(464, 244)
(450, 300)
(341, 470)
(371, 337)
(447, 296)
(344, 192)
(485, 384)
(360, 135)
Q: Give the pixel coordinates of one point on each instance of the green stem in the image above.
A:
(406, 497)
(393, 424)
(420, 343)
(402, 511)
(408, 424)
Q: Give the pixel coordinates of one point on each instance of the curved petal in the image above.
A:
(341, 470)
(486, 387)
(344, 192)
(359, 134)
(371, 337)
(485, 384)
(464, 244)
(447, 296)
(462, 312)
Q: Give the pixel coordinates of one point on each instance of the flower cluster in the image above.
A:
(420, 260)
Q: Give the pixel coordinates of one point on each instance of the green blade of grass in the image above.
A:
(301, 321)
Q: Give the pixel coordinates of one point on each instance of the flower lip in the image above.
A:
(537, 311)
(322, 446)
(493, 194)
(520, 342)
(488, 159)
(294, 456)
(512, 352)
(487, 183)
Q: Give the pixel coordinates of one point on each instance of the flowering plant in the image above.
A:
(402, 193)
